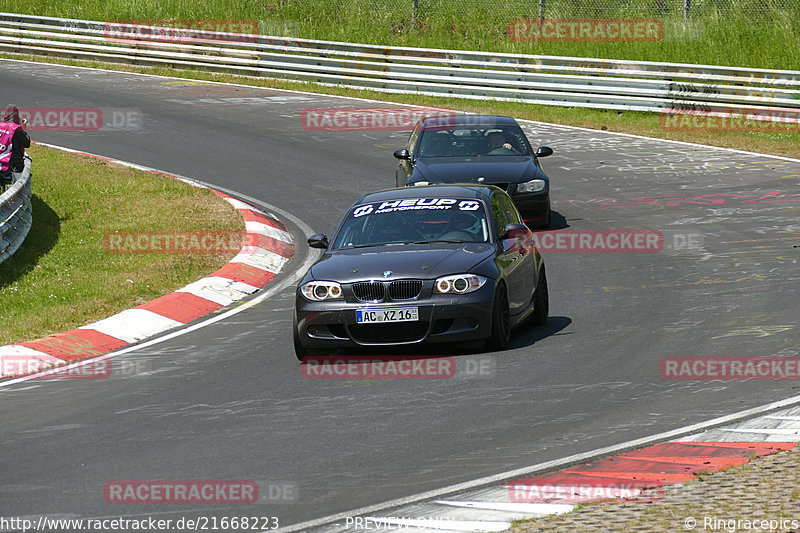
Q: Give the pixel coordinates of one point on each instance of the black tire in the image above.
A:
(546, 221)
(501, 320)
(541, 300)
(299, 350)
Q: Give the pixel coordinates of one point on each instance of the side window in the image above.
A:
(499, 212)
(511, 212)
(412, 140)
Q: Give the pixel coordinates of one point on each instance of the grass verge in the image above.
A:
(62, 277)
(771, 139)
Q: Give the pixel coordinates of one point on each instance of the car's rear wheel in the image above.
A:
(501, 320)
(541, 300)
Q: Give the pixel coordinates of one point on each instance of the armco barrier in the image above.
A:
(16, 214)
(563, 81)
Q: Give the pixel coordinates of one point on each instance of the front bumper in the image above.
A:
(533, 206)
(442, 318)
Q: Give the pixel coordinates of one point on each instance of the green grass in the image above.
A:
(62, 277)
(758, 33)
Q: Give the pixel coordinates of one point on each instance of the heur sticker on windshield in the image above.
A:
(413, 204)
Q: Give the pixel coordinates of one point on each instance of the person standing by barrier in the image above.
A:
(13, 140)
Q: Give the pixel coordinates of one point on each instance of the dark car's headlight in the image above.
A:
(318, 291)
(531, 186)
(458, 284)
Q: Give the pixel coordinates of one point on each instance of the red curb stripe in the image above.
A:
(690, 449)
(759, 448)
(181, 306)
(699, 462)
(245, 273)
(666, 479)
(570, 479)
(76, 344)
(268, 243)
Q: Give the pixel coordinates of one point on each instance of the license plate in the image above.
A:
(390, 314)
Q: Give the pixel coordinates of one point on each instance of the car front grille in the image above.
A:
(389, 333)
(370, 291)
(405, 289)
(376, 291)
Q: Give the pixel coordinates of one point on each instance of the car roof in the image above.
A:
(430, 191)
(468, 120)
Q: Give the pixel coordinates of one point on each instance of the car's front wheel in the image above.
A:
(541, 300)
(501, 319)
(299, 350)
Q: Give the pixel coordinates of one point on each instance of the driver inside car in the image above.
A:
(498, 145)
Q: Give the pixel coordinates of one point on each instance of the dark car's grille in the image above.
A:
(389, 333)
(405, 290)
(375, 291)
(503, 186)
(369, 292)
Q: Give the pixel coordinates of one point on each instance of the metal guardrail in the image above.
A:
(16, 213)
(549, 80)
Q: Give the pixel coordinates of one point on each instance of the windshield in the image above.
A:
(473, 140)
(413, 220)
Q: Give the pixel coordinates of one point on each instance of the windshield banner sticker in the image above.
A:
(413, 204)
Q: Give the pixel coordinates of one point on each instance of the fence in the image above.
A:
(15, 213)
(757, 9)
(563, 81)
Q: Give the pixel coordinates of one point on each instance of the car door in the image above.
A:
(524, 246)
(406, 166)
(510, 260)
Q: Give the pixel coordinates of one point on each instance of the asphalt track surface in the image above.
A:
(228, 401)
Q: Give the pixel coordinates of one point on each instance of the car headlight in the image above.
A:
(458, 284)
(318, 291)
(531, 186)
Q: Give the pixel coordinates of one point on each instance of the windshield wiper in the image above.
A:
(371, 245)
(451, 241)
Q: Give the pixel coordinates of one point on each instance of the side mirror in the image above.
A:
(402, 154)
(318, 240)
(543, 151)
(512, 229)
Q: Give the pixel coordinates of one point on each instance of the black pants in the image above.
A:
(6, 178)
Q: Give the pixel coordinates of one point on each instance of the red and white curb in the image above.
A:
(638, 475)
(268, 248)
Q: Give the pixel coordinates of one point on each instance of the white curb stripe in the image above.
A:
(261, 259)
(269, 231)
(133, 325)
(238, 204)
(219, 290)
(16, 349)
(542, 509)
(443, 524)
(774, 431)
